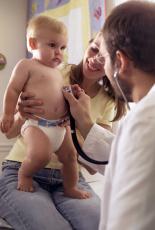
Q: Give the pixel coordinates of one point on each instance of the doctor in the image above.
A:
(128, 48)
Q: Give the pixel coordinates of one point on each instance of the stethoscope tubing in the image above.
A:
(74, 136)
(78, 147)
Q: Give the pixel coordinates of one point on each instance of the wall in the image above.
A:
(112, 3)
(109, 6)
(89, 11)
(12, 45)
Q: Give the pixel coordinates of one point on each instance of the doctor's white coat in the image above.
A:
(128, 201)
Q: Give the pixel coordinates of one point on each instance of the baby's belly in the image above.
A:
(54, 108)
(54, 104)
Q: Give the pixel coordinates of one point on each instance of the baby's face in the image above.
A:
(50, 48)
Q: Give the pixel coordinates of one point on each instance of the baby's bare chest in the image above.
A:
(44, 79)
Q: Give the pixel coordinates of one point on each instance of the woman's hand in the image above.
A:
(79, 104)
(29, 106)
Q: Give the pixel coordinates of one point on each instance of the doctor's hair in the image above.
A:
(130, 28)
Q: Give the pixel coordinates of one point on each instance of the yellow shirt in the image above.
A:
(103, 111)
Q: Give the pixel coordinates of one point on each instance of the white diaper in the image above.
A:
(54, 133)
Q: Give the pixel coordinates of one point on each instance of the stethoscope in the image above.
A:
(78, 147)
(73, 129)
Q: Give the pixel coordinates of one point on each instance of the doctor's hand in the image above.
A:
(80, 108)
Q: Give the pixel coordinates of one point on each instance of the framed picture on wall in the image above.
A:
(2, 61)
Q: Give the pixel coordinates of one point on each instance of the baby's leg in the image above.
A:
(37, 156)
(67, 155)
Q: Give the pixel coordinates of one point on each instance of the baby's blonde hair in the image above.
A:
(44, 22)
(39, 23)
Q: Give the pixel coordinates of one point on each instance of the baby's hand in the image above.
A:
(6, 123)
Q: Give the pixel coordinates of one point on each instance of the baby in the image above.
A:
(46, 40)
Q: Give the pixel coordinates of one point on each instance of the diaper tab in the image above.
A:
(48, 123)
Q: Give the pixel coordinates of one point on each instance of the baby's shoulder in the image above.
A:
(22, 65)
(24, 62)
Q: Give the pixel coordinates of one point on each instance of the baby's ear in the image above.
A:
(33, 43)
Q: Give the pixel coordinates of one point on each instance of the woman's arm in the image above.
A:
(29, 106)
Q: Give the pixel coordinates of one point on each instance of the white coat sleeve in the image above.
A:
(97, 146)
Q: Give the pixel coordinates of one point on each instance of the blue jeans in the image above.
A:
(46, 208)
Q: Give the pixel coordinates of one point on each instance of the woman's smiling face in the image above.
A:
(91, 68)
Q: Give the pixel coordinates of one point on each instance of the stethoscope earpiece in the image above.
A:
(115, 74)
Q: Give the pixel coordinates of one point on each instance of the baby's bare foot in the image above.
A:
(77, 193)
(25, 184)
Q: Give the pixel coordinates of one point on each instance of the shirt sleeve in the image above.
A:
(97, 146)
(108, 114)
